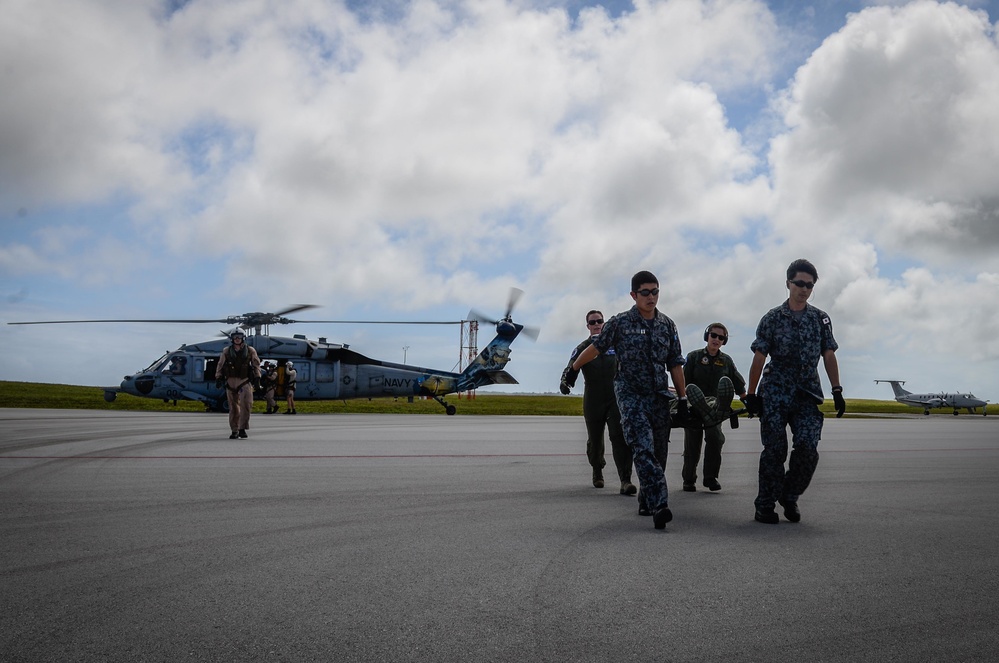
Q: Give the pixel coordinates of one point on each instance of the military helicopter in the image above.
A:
(326, 371)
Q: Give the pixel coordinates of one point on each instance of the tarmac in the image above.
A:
(153, 537)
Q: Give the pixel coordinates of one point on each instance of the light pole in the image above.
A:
(405, 349)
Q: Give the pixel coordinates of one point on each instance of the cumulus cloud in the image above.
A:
(893, 137)
(885, 161)
(441, 151)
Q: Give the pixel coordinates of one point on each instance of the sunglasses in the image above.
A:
(645, 292)
(598, 321)
(718, 336)
(803, 284)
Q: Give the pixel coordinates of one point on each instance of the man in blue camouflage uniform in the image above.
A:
(600, 408)
(647, 346)
(795, 335)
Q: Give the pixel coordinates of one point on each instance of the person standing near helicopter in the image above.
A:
(239, 371)
(268, 382)
(290, 378)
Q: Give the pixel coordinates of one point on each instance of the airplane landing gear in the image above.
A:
(448, 409)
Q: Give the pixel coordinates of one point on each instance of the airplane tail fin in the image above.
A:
(896, 386)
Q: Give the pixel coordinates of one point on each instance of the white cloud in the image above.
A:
(71, 127)
(893, 135)
(430, 160)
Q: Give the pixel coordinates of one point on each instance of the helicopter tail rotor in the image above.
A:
(507, 319)
(514, 297)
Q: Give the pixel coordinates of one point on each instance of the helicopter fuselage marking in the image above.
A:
(397, 382)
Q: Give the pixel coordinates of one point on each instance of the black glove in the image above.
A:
(682, 417)
(564, 387)
(219, 382)
(838, 401)
(256, 383)
(754, 405)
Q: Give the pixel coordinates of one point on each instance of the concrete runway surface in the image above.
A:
(152, 537)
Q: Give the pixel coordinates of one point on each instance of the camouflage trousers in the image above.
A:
(802, 416)
(645, 422)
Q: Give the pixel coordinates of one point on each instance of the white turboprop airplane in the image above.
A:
(928, 401)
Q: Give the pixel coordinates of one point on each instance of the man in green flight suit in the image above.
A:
(704, 368)
(600, 408)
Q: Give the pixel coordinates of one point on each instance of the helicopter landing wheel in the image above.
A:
(448, 409)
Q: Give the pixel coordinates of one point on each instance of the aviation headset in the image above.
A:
(707, 330)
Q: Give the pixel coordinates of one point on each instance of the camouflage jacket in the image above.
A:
(795, 345)
(646, 350)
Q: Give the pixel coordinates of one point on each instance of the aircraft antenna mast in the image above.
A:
(469, 348)
(469, 343)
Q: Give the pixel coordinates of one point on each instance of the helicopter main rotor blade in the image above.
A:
(379, 322)
(237, 320)
(76, 322)
(295, 309)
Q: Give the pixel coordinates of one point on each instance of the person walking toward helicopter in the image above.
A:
(268, 383)
(239, 371)
(290, 378)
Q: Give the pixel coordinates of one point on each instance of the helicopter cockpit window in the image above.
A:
(159, 364)
(177, 365)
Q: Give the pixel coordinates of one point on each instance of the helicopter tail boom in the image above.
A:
(487, 367)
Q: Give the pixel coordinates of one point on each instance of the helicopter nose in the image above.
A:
(144, 384)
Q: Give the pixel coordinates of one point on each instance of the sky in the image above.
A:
(414, 160)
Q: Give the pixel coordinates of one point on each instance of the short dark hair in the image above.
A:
(589, 313)
(801, 265)
(716, 325)
(642, 277)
